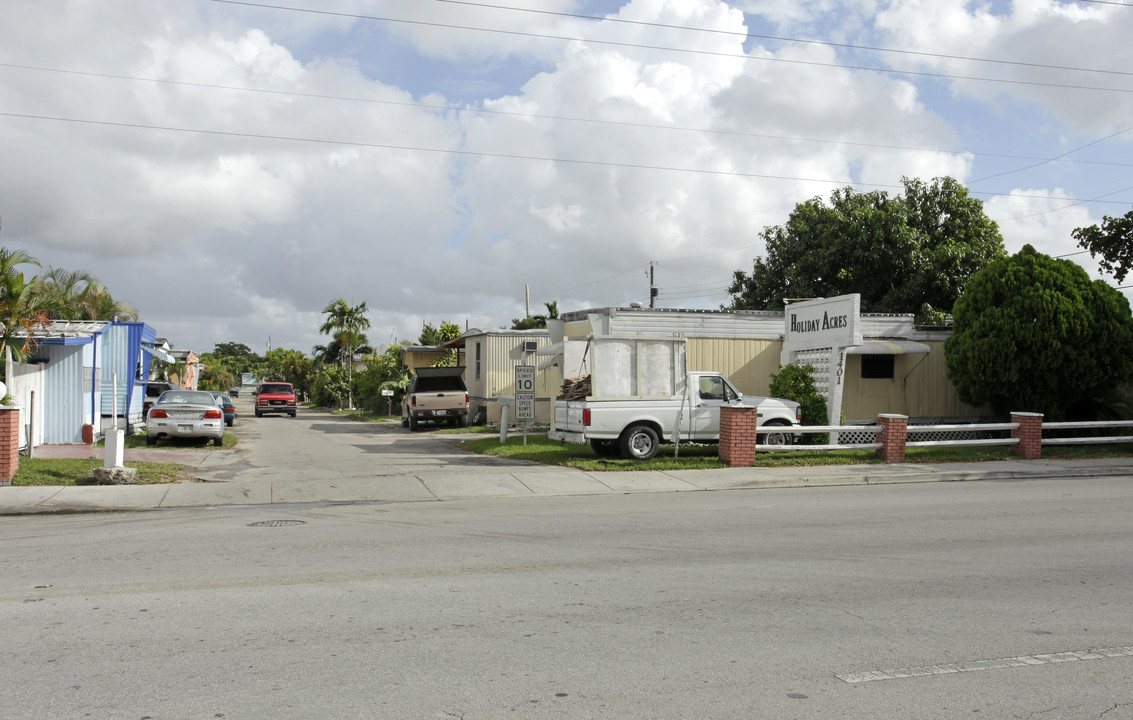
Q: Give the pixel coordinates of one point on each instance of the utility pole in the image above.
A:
(652, 287)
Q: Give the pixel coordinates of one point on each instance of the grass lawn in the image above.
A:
(695, 457)
(79, 471)
(139, 441)
(60, 471)
(368, 416)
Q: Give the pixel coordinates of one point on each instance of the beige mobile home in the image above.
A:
(897, 368)
(490, 358)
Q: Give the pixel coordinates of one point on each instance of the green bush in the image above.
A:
(796, 382)
(1035, 333)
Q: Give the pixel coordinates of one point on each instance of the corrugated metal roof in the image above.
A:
(892, 346)
(762, 324)
(57, 330)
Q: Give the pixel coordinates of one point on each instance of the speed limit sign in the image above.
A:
(524, 378)
(524, 394)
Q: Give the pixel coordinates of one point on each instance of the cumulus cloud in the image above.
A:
(261, 163)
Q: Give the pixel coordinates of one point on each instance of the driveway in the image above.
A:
(317, 444)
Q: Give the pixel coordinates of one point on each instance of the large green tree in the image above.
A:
(1113, 241)
(383, 372)
(910, 253)
(1035, 334)
(222, 368)
(289, 366)
(346, 323)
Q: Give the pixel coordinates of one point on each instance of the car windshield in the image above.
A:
(187, 397)
(275, 389)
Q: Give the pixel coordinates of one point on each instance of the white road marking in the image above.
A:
(996, 664)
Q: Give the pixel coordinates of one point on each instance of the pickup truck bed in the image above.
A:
(636, 427)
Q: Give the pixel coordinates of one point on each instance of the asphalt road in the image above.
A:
(319, 446)
(940, 600)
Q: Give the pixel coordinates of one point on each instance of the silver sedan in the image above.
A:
(185, 414)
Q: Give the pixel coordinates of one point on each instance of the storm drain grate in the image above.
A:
(277, 523)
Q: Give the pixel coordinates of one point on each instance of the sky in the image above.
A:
(231, 168)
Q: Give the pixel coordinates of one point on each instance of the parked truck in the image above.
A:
(638, 394)
(436, 394)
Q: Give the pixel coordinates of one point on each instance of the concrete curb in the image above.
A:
(498, 482)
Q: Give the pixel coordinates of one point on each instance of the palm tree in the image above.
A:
(166, 370)
(98, 304)
(61, 292)
(20, 308)
(350, 321)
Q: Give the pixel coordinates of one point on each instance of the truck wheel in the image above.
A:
(638, 442)
(412, 424)
(777, 438)
(605, 448)
(462, 421)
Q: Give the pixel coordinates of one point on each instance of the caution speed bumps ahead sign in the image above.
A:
(524, 392)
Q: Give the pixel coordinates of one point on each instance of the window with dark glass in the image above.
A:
(877, 367)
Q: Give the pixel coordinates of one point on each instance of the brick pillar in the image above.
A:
(894, 433)
(737, 435)
(9, 443)
(1030, 434)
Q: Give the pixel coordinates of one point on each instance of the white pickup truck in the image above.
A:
(635, 427)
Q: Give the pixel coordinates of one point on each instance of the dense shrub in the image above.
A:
(796, 382)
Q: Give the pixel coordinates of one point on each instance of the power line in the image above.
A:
(711, 53)
(561, 118)
(1073, 204)
(509, 156)
(1044, 162)
(781, 38)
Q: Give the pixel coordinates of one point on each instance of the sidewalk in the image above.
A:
(494, 481)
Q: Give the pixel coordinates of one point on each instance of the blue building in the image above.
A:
(73, 371)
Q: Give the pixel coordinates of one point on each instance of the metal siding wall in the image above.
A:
(64, 400)
(747, 363)
(115, 357)
(703, 325)
(91, 383)
(861, 398)
(502, 353)
(25, 383)
(929, 392)
(414, 360)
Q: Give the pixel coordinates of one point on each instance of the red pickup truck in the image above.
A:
(275, 397)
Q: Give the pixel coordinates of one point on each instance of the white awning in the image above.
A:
(890, 347)
(158, 353)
